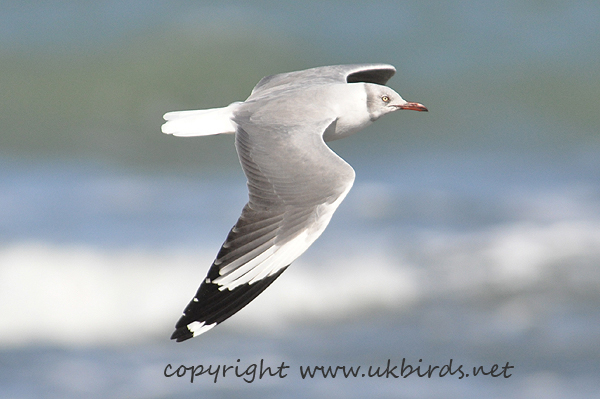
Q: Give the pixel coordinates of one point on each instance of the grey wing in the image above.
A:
(366, 73)
(295, 183)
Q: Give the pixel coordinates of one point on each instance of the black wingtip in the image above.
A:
(181, 334)
(378, 74)
(215, 306)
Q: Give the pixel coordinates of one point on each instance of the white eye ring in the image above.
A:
(385, 99)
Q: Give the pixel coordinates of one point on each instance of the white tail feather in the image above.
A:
(203, 122)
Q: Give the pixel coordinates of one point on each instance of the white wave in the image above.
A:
(79, 295)
(75, 295)
(515, 256)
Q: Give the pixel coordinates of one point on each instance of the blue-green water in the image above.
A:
(472, 232)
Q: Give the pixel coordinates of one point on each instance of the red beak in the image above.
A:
(413, 107)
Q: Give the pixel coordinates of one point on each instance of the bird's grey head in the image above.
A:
(382, 100)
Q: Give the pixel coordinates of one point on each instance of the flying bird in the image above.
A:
(295, 181)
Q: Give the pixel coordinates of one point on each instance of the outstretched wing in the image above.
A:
(366, 73)
(295, 183)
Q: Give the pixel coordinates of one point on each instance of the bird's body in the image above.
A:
(295, 181)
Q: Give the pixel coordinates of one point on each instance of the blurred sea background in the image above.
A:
(472, 232)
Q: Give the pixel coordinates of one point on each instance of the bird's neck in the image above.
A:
(350, 105)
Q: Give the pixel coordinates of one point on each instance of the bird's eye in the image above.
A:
(385, 99)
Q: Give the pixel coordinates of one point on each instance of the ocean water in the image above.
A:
(408, 269)
(471, 237)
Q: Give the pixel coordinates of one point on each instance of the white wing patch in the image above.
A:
(203, 122)
(267, 263)
(277, 257)
(197, 328)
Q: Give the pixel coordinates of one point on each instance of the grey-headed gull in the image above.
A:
(295, 181)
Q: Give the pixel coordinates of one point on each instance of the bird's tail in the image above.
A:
(203, 122)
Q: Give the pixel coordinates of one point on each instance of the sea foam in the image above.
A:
(87, 295)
